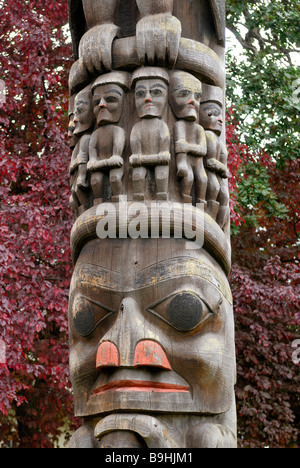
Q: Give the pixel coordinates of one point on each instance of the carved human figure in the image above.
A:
(83, 124)
(73, 139)
(189, 136)
(158, 33)
(211, 118)
(108, 140)
(154, 338)
(150, 138)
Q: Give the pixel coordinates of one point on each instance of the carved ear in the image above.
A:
(77, 24)
(219, 13)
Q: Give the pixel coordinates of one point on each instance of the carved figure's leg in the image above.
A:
(201, 180)
(162, 182)
(82, 176)
(139, 183)
(182, 166)
(223, 217)
(115, 179)
(97, 184)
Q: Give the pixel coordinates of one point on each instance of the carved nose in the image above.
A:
(192, 101)
(107, 355)
(148, 353)
(148, 99)
(102, 104)
(126, 344)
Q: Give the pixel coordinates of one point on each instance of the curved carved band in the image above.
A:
(193, 57)
(198, 228)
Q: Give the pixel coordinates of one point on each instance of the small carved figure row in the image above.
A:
(99, 143)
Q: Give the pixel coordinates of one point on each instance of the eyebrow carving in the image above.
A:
(158, 85)
(116, 91)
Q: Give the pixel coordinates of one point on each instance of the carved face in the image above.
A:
(83, 112)
(159, 339)
(151, 97)
(211, 117)
(185, 95)
(108, 103)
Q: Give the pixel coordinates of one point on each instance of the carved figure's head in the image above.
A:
(151, 91)
(185, 95)
(157, 339)
(211, 109)
(108, 97)
(83, 111)
(71, 126)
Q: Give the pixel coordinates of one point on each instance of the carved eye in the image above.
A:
(198, 96)
(84, 319)
(184, 93)
(111, 99)
(156, 92)
(140, 94)
(87, 315)
(184, 311)
(214, 112)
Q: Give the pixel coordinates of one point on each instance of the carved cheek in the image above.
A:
(199, 360)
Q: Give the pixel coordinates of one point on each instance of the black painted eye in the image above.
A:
(88, 314)
(185, 311)
(84, 319)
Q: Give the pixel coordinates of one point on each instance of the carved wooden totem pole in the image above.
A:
(152, 355)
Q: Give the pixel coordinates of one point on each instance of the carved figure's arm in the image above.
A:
(93, 152)
(119, 142)
(136, 146)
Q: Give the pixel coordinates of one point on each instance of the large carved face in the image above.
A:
(211, 117)
(185, 95)
(147, 336)
(108, 102)
(83, 111)
(151, 97)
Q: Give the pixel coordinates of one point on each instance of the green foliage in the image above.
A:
(263, 87)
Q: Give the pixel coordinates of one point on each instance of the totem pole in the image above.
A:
(152, 354)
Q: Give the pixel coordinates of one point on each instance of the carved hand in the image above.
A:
(158, 38)
(216, 166)
(160, 159)
(95, 48)
(181, 146)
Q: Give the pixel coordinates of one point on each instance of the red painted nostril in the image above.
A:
(107, 355)
(149, 353)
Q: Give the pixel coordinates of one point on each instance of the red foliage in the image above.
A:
(266, 287)
(35, 222)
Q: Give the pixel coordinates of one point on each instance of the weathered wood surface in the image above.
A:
(152, 355)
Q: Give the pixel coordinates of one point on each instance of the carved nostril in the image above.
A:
(107, 355)
(149, 353)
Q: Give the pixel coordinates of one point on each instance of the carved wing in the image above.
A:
(219, 11)
(77, 23)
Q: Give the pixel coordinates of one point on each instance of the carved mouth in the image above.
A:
(140, 386)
